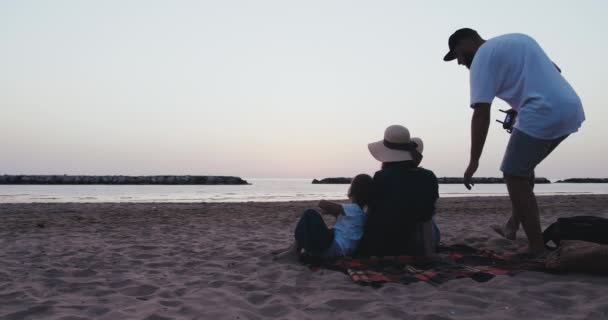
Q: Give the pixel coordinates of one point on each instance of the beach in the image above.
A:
(212, 261)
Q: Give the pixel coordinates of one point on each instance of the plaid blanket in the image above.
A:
(453, 262)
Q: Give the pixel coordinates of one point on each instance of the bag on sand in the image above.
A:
(585, 228)
(579, 256)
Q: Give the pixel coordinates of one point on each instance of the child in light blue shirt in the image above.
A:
(312, 235)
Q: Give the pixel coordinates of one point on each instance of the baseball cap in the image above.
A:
(460, 34)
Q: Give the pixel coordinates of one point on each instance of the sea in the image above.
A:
(259, 190)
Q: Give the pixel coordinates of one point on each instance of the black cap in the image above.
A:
(460, 34)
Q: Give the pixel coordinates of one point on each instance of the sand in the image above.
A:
(212, 261)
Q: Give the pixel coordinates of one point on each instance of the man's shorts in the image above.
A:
(525, 152)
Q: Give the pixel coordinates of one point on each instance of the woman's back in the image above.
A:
(403, 199)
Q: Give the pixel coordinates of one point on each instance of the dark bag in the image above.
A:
(585, 228)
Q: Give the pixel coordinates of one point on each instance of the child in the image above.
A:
(314, 237)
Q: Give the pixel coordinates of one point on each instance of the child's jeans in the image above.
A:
(312, 234)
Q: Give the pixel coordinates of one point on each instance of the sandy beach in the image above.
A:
(213, 261)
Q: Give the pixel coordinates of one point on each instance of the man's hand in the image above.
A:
(480, 124)
(468, 174)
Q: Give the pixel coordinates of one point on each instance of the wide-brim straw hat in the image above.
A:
(395, 137)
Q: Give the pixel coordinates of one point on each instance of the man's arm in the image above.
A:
(480, 123)
(331, 208)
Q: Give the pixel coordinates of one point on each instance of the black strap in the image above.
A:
(408, 146)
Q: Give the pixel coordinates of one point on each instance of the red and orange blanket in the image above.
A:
(453, 262)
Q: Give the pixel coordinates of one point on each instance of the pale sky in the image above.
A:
(271, 88)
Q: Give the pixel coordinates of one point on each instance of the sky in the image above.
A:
(271, 89)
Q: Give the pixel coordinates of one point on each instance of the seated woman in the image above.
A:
(400, 219)
(313, 237)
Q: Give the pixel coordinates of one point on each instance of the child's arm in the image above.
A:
(427, 238)
(331, 208)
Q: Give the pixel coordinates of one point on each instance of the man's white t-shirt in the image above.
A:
(515, 68)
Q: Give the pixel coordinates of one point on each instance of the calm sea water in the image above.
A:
(259, 190)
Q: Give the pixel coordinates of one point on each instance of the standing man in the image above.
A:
(515, 68)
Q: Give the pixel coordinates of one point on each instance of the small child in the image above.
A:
(314, 237)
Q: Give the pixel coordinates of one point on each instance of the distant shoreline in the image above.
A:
(442, 180)
(584, 180)
(483, 180)
(223, 180)
(119, 180)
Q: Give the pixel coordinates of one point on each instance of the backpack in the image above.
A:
(585, 228)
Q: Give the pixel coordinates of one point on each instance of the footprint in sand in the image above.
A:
(121, 284)
(140, 247)
(500, 242)
(146, 256)
(160, 264)
(170, 303)
(435, 317)
(11, 297)
(156, 317)
(258, 298)
(180, 292)
(84, 273)
(276, 310)
(54, 273)
(137, 291)
(37, 312)
(102, 293)
(476, 239)
(469, 301)
(348, 304)
(96, 311)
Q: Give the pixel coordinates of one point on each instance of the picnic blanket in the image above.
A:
(453, 262)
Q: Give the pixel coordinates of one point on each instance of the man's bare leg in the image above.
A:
(525, 209)
(509, 229)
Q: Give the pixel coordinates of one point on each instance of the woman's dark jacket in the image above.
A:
(403, 198)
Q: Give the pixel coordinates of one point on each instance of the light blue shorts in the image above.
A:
(525, 152)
